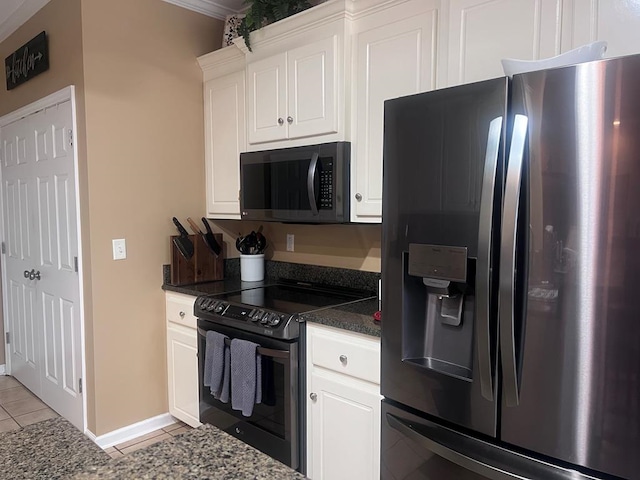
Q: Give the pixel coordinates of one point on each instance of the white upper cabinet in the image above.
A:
(293, 94)
(395, 55)
(225, 130)
(479, 33)
(267, 99)
(616, 21)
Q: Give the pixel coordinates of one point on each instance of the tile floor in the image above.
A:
(19, 407)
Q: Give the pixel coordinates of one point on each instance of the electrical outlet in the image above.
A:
(290, 242)
(119, 248)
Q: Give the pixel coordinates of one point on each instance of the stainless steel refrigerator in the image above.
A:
(511, 278)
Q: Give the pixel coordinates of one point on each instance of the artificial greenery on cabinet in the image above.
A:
(264, 12)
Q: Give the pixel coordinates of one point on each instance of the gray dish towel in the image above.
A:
(217, 365)
(246, 376)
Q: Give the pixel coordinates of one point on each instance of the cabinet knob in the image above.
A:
(289, 120)
(182, 314)
(358, 197)
(313, 396)
(280, 121)
(343, 359)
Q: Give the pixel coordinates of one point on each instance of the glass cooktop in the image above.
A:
(293, 298)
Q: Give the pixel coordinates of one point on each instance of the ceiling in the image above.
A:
(14, 13)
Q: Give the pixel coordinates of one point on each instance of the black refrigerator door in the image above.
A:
(442, 184)
(571, 362)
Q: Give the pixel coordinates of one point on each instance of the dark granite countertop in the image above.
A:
(199, 454)
(356, 317)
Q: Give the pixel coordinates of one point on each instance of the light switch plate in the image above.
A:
(119, 249)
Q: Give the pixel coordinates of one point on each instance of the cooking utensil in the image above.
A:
(183, 242)
(210, 239)
(261, 241)
(215, 249)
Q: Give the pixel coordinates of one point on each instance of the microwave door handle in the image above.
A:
(311, 177)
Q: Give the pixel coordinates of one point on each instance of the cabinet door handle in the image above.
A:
(343, 359)
(289, 119)
(358, 197)
(313, 396)
(280, 121)
(182, 314)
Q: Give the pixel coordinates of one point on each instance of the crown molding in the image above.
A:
(20, 15)
(211, 8)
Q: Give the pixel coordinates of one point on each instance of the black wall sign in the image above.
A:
(28, 61)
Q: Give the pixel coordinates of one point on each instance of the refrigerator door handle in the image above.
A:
(485, 459)
(483, 269)
(508, 260)
(442, 450)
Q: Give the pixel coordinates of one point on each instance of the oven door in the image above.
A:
(273, 427)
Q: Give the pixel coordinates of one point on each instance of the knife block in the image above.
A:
(204, 266)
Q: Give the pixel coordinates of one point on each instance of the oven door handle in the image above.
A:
(265, 352)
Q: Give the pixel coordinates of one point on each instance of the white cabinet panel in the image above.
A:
(182, 366)
(224, 140)
(313, 85)
(482, 32)
(346, 425)
(395, 56)
(294, 94)
(616, 21)
(343, 406)
(182, 358)
(267, 98)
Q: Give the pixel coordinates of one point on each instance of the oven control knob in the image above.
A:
(265, 319)
(275, 320)
(211, 306)
(257, 316)
(219, 307)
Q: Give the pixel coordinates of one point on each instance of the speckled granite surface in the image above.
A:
(356, 317)
(52, 449)
(203, 453)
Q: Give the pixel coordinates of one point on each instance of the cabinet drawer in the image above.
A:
(347, 353)
(180, 309)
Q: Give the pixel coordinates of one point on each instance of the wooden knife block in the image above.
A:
(204, 266)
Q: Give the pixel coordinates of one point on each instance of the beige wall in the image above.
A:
(145, 150)
(141, 162)
(61, 20)
(345, 246)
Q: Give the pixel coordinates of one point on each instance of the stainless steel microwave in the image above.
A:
(307, 184)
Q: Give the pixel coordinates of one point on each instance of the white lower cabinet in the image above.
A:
(182, 358)
(343, 405)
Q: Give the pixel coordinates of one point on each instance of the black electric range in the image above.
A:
(272, 310)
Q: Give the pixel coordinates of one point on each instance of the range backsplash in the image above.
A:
(338, 277)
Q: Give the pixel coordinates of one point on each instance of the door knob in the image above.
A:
(343, 359)
(289, 120)
(358, 197)
(32, 275)
(182, 314)
(280, 121)
(313, 396)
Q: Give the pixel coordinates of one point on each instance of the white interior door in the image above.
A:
(42, 237)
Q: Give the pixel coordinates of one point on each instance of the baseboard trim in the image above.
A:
(3, 369)
(132, 431)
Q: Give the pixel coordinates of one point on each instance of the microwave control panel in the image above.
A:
(326, 189)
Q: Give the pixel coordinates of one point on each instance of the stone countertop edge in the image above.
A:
(203, 453)
(355, 316)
